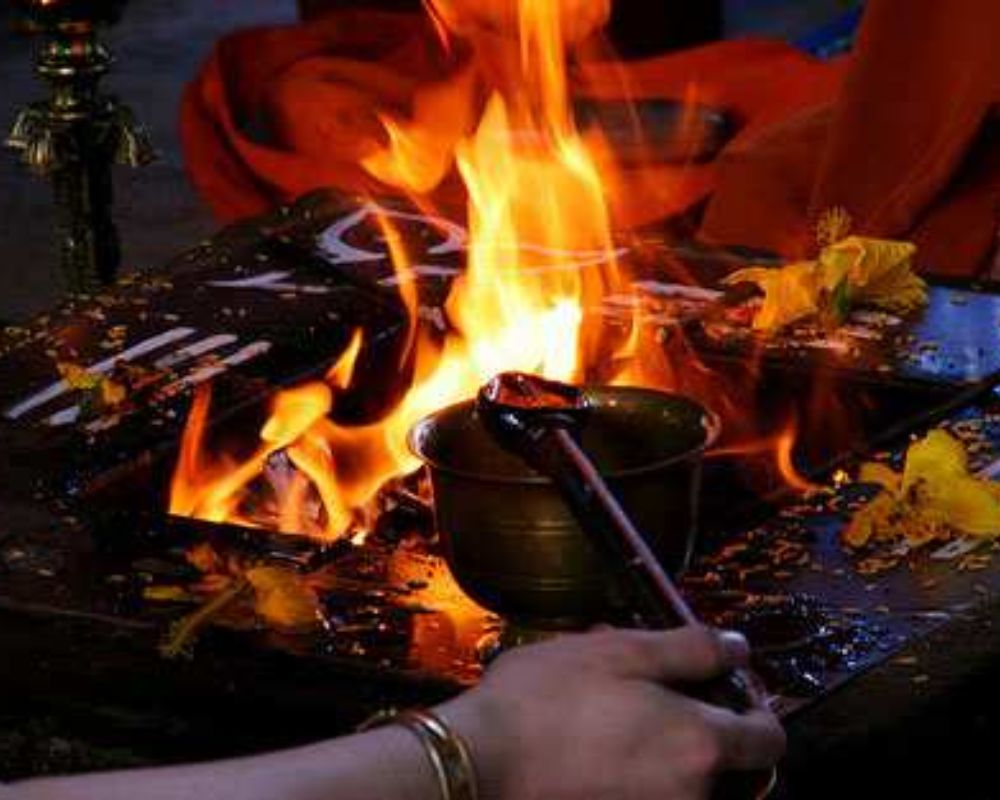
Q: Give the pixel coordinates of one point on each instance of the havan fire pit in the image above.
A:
(398, 632)
(200, 572)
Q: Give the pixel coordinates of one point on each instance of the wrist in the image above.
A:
(399, 746)
(473, 717)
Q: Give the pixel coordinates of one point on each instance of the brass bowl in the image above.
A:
(509, 538)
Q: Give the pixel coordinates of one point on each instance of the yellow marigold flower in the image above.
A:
(877, 272)
(106, 393)
(935, 497)
(77, 377)
(791, 293)
(851, 273)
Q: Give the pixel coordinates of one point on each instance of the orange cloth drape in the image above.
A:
(277, 112)
(907, 148)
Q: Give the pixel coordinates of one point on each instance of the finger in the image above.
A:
(691, 654)
(751, 741)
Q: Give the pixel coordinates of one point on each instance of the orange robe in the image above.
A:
(909, 147)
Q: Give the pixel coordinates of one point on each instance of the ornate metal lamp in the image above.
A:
(77, 134)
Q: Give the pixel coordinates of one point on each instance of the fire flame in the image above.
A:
(536, 200)
(540, 254)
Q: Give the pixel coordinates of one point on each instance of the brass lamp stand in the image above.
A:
(77, 134)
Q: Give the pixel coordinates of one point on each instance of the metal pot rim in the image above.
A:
(711, 425)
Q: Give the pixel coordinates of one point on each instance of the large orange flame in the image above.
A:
(536, 202)
(540, 255)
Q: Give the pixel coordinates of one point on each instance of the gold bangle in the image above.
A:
(446, 750)
(768, 789)
(452, 751)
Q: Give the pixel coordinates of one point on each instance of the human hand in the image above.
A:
(592, 716)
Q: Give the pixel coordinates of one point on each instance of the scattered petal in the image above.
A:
(282, 597)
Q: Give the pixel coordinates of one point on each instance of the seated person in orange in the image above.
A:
(910, 146)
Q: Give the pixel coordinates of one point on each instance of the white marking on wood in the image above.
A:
(170, 361)
(862, 332)
(61, 387)
(433, 315)
(422, 271)
(338, 251)
(875, 318)
(196, 350)
(678, 290)
(65, 417)
(275, 281)
(241, 356)
(332, 243)
(958, 548)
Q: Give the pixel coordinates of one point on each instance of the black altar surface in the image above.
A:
(867, 666)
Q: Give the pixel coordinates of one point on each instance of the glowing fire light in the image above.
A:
(534, 200)
(540, 253)
(780, 446)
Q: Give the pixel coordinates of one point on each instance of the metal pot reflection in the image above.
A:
(509, 538)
